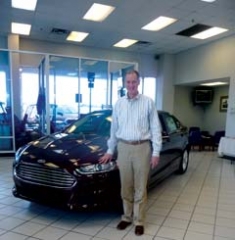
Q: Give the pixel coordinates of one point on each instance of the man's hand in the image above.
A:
(106, 158)
(154, 161)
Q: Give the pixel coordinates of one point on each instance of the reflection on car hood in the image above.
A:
(61, 148)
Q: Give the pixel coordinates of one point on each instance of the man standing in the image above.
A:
(135, 131)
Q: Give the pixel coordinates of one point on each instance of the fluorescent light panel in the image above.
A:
(214, 84)
(124, 43)
(209, 33)
(90, 63)
(210, 1)
(20, 28)
(98, 12)
(159, 23)
(77, 36)
(24, 4)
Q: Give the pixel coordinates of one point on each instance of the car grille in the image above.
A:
(44, 175)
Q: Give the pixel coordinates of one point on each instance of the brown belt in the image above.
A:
(133, 142)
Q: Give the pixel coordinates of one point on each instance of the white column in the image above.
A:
(230, 120)
(13, 44)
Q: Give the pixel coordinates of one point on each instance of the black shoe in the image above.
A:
(139, 230)
(123, 225)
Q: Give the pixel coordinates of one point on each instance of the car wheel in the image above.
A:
(183, 166)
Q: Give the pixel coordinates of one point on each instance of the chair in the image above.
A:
(194, 129)
(216, 138)
(207, 140)
(195, 138)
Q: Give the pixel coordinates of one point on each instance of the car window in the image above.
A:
(179, 125)
(177, 122)
(87, 124)
(171, 124)
(104, 128)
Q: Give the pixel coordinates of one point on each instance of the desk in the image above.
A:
(226, 148)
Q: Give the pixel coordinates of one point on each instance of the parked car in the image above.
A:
(63, 168)
(61, 116)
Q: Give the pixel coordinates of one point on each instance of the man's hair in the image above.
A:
(133, 71)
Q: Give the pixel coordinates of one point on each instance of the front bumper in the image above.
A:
(87, 191)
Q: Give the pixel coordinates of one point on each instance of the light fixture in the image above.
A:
(24, 4)
(214, 84)
(124, 43)
(210, 1)
(77, 36)
(20, 28)
(159, 23)
(209, 33)
(90, 63)
(98, 12)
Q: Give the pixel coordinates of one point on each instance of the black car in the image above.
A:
(63, 168)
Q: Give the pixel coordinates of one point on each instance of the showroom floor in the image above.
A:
(199, 205)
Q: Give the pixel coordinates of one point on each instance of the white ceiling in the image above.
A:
(125, 22)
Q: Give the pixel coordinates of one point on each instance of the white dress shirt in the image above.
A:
(135, 119)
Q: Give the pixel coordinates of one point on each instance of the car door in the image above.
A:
(172, 145)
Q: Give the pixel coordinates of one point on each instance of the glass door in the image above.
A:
(32, 96)
(94, 85)
(64, 93)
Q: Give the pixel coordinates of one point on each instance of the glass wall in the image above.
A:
(51, 92)
(93, 85)
(6, 111)
(117, 74)
(63, 91)
(149, 87)
(32, 94)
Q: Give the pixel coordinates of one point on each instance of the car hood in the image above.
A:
(62, 149)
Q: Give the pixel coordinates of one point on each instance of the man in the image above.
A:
(135, 125)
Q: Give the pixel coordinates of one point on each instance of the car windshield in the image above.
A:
(98, 123)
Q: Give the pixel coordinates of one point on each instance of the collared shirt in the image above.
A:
(135, 119)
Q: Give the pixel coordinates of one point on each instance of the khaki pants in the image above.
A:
(134, 165)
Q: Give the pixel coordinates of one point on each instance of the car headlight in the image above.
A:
(19, 152)
(96, 168)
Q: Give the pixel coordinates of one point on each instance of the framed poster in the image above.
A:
(223, 104)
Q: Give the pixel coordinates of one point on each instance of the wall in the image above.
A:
(207, 117)
(3, 42)
(212, 61)
(147, 63)
(202, 63)
(215, 120)
(165, 83)
(184, 109)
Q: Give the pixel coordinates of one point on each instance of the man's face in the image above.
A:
(132, 83)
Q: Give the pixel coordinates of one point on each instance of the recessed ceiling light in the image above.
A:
(125, 43)
(210, 1)
(77, 36)
(20, 28)
(90, 63)
(214, 84)
(24, 4)
(209, 33)
(159, 23)
(98, 12)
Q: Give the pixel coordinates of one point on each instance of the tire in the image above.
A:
(183, 166)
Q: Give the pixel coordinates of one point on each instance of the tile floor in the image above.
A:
(199, 205)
